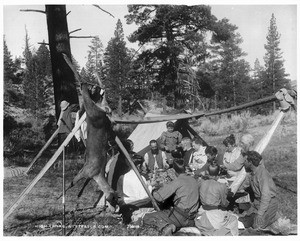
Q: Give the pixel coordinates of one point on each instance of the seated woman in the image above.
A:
(132, 194)
(198, 158)
(212, 218)
(235, 169)
(234, 162)
(129, 187)
(211, 152)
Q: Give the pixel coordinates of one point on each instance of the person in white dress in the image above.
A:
(198, 158)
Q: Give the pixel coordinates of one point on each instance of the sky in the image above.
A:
(252, 21)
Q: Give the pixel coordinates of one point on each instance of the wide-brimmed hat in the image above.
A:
(64, 105)
(178, 165)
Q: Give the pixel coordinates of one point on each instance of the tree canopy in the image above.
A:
(170, 31)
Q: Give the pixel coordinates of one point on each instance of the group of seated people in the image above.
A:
(206, 185)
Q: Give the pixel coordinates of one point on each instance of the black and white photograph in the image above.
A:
(149, 118)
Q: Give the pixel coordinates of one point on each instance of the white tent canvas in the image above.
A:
(144, 133)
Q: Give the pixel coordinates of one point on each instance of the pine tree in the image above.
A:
(8, 64)
(8, 71)
(171, 30)
(95, 56)
(45, 75)
(257, 80)
(116, 69)
(38, 85)
(231, 71)
(274, 75)
(27, 54)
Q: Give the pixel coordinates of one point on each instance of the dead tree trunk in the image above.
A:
(59, 42)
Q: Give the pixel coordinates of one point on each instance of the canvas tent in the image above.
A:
(144, 133)
(141, 136)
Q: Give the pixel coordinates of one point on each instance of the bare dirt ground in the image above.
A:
(40, 213)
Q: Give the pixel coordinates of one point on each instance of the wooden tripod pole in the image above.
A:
(63, 197)
(136, 172)
(42, 150)
(261, 146)
(45, 169)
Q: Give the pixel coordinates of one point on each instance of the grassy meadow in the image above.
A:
(40, 213)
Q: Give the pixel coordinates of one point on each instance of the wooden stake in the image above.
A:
(45, 169)
(63, 197)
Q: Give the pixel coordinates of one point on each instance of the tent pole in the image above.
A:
(136, 172)
(194, 133)
(63, 197)
(42, 150)
(44, 170)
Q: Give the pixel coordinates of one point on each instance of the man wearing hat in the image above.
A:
(169, 140)
(265, 203)
(184, 191)
(64, 123)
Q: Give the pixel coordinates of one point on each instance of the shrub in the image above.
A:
(9, 124)
(235, 123)
(20, 136)
(225, 125)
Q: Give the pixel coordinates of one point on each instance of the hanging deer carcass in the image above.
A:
(98, 131)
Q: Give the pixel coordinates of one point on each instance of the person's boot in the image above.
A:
(168, 230)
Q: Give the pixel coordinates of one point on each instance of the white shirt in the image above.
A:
(198, 158)
(236, 177)
(133, 188)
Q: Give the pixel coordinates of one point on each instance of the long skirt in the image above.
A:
(216, 223)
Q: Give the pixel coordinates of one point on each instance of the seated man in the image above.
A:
(169, 140)
(263, 186)
(188, 150)
(184, 191)
(154, 159)
(212, 218)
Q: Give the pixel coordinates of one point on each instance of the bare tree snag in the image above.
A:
(59, 42)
